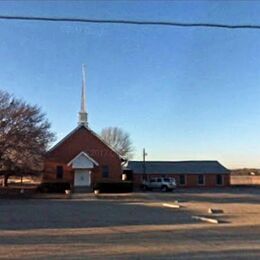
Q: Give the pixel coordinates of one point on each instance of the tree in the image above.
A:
(24, 137)
(119, 140)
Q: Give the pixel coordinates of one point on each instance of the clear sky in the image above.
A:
(182, 93)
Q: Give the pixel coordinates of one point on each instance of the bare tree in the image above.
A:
(24, 137)
(119, 140)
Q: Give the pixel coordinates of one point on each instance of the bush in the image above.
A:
(53, 187)
(114, 187)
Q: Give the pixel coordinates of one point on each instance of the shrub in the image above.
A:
(114, 187)
(53, 187)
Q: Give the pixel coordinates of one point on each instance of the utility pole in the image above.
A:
(144, 166)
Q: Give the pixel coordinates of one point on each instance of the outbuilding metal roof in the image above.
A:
(178, 167)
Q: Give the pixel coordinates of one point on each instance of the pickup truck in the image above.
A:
(161, 183)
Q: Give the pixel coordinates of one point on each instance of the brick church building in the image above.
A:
(82, 158)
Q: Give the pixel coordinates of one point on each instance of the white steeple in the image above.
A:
(83, 115)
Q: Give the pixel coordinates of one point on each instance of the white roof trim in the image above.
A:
(75, 130)
(83, 153)
(105, 143)
(64, 139)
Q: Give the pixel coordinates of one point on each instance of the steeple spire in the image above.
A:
(83, 115)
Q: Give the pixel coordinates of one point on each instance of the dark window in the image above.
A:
(144, 177)
(105, 171)
(219, 179)
(59, 172)
(159, 180)
(182, 180)
(201, 179)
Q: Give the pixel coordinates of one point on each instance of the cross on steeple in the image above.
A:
(83, 115)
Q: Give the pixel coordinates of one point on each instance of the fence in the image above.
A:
(245, 180)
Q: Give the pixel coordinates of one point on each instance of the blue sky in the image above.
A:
(182, 93)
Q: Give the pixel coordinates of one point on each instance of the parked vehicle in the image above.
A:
(160, 183)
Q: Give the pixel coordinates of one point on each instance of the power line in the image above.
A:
(130, 22)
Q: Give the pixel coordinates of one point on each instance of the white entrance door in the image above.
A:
(82, 178)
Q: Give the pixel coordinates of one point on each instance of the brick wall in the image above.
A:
(50, 172)
(82, 140)
(191, 180)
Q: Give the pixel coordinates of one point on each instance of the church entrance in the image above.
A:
(83, 165)
(82, 178)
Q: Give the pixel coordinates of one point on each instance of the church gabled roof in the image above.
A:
(83, 120)
(92, 132)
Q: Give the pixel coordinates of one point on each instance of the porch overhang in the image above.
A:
(82, 161)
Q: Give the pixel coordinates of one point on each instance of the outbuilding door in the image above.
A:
(82, 178)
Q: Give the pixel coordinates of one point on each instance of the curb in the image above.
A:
(205, 219)
(175, 206)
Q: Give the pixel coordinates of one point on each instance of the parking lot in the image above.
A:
(133, 226)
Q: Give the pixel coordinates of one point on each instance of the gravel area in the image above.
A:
(133, 226)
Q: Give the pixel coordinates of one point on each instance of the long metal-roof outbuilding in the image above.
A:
(178, 167)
